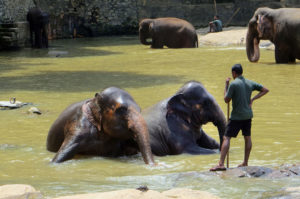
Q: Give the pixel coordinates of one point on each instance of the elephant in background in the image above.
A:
(175, 124)
(38, 24)
(170, 32)
(281, 27)
(109, 125)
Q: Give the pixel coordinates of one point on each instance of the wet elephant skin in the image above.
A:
(110, 125)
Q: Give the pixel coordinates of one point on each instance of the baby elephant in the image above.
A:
(110, 125)
(170, 32)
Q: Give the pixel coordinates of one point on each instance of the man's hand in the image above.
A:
(263, 91)
(225, 90)
(228, 80)
(227, 83)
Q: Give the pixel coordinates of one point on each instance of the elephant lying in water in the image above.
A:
(110, 124)
(174, 124)
(281, 27)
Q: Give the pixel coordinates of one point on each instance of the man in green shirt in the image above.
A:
(239, 91)
(215, 25)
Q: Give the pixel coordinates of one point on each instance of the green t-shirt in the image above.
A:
(240, 91)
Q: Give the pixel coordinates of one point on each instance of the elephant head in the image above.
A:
(119, 117)
(198, 107)
(261, 26)
(145, 31)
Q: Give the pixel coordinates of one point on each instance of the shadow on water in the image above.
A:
(79, 47)
(56, 52)
(83, 81)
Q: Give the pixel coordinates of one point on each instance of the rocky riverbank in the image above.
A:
(20, 191)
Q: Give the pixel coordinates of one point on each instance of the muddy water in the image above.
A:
(73, 70)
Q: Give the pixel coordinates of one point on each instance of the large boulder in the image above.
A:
(148, 194)
(260, 171)
(19, 191)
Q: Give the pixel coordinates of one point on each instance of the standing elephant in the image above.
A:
(110, 125)
(170, 32)
(281, 27)
(38, 24)
(175, 124)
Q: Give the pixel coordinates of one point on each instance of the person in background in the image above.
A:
(215, 25)
(239, 91)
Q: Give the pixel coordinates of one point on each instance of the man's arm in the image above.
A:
(226, 99)
(262, 92)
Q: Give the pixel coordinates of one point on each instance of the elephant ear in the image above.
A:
(177, 104)
(151, 28)
(92, 111)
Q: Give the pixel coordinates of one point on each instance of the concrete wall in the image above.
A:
(70, 18)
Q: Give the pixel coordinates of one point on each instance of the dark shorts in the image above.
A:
(234, 126)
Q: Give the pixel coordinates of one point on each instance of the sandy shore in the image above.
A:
(229, 36)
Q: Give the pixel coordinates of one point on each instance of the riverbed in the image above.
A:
(75, 69)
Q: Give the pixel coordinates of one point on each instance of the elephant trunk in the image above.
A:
(143, 39)
(252, 44)
(138, 126)
(220, 122)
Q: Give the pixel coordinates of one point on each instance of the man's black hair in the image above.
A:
(237, 68)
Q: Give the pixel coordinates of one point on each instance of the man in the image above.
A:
(241, 116)
(216, 25)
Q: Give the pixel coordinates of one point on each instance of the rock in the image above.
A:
(294, 192)
(182, 193)
(35, 110)
(250, 171)
(150, 194)
(259, 171)
(19, 191)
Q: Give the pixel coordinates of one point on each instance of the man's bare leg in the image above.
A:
(248, 147)
(224, 151)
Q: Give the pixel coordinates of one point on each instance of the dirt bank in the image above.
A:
(229, 36)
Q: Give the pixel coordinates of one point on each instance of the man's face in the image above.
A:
(234, 75)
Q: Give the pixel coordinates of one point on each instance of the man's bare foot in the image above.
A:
(218, 168)
(243, 165)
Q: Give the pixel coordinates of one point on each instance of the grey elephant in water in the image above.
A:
(175, 124)
(170, 32)
(281, 27)
(109, 125)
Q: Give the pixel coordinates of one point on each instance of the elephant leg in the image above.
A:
(66, 153)
(292, 59)
(44, 38)
(68, 149)
(31, 37)
(157, 43)
(281, 56)
(206, 141)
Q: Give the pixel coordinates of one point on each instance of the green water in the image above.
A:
(73, 70)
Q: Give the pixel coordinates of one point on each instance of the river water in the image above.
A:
(73, 70)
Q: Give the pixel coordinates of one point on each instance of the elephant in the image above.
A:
(175, 123)
(38, 25)
(280, 26)
(108, 125)
(170, 32)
